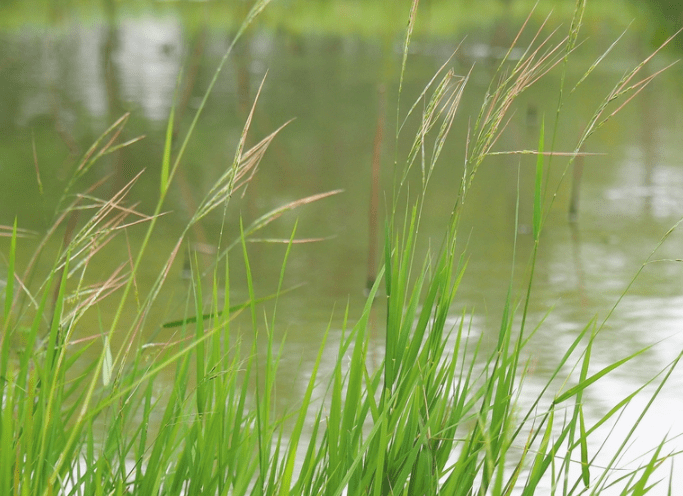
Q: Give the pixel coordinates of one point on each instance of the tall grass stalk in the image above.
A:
(436, 416)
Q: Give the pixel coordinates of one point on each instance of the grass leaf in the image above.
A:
(584, 384)
(166, 160)
(538, 193)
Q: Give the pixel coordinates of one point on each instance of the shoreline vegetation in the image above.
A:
(370, 19)
(427, 419)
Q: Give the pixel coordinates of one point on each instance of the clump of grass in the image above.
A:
(427, 420)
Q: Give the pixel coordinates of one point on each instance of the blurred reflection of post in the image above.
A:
(58, 89)
(114, 106)
(577, 174)
(196, 52)
(578, 263)
(573, 218)
(242, 62)
(501, 29)
(649, 123)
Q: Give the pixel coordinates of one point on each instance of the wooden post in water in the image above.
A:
(374, 192)
(576, 188)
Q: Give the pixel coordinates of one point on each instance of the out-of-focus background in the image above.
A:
(69, 69)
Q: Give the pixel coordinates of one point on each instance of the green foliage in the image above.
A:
(427, 420)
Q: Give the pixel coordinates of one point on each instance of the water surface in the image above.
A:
(61, 86)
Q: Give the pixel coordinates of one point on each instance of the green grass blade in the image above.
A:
(107, 364)
(166, 160)
(641, 486)
(231, 309)
(585, 465)
(9, 286)
(199, 332)
(9, 297)
(538, 193)
(541, 463)
(584, 384)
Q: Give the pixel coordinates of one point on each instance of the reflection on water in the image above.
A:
(65, 86)
(148, 58)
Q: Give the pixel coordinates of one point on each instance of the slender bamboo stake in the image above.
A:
(576, 189)
(374, 192)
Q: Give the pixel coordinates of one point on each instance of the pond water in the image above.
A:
(62, 85)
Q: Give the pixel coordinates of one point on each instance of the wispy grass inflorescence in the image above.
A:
(436, 415)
